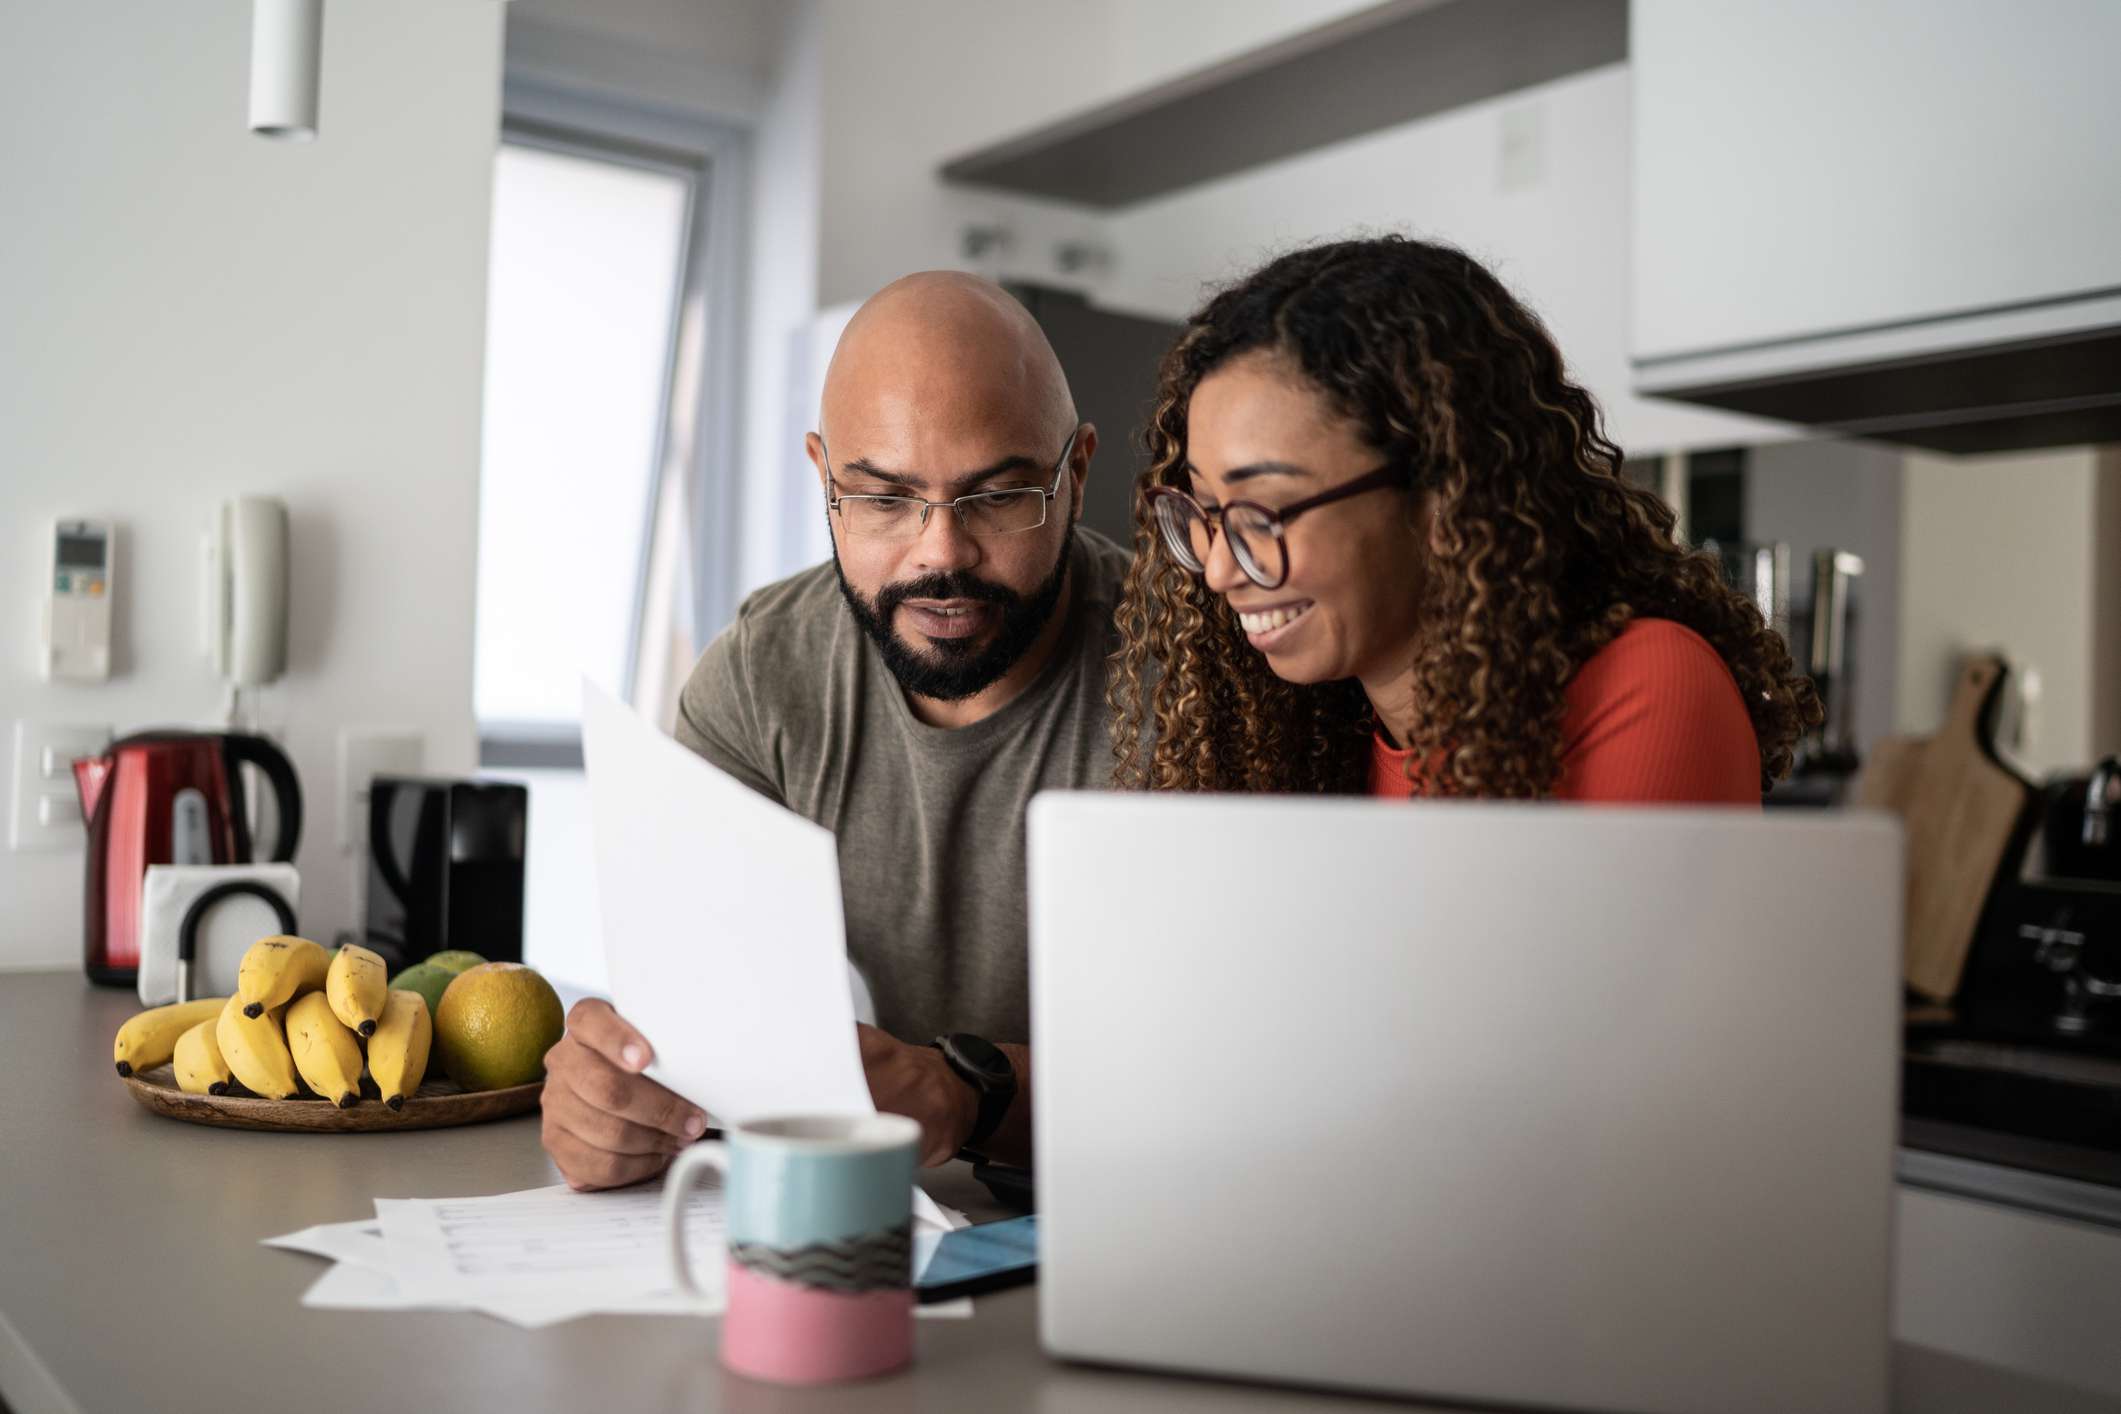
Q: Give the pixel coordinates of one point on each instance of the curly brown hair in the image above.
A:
(1542, 552)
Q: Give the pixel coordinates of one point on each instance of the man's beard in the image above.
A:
(953, 669)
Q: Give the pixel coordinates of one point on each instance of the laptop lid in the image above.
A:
(1591, 1108)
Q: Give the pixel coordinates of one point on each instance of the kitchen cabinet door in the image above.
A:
(1821, 169)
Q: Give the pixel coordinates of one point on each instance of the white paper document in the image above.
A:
(723, 932)
(476, 1251)
(358, 1243)
(540, 1256)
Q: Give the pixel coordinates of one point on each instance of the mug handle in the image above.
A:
(709, 1154)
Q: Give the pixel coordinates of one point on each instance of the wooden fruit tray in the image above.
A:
(439, 1104)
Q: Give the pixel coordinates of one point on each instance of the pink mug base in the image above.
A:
(801, 1335)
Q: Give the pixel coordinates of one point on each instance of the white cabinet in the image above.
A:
(1826, 184)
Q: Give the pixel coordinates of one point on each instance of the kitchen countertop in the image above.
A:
(131, 1278)
(2038, 1126)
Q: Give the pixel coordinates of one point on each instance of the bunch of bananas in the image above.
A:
(301, 1017)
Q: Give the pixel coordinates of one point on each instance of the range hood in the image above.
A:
(1997, 380)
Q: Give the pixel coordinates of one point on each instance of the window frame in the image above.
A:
(579, 121)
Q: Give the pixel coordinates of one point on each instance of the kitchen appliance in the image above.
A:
(1820, 636)
(168, 797)
(445, 867)
(1830, 748)
(2047, 967)
(2081, 831)
(1760, 570)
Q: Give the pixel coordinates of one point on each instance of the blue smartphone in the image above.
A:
(984, 1257)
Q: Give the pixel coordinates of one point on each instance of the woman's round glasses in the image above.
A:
(1257, 533)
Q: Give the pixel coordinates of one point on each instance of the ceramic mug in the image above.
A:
(820, 1225)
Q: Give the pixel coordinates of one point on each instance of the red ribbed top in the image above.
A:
(1653, 717)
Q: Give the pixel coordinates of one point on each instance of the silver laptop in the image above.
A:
(1583, 1108)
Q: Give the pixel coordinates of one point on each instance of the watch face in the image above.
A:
(983, 1056)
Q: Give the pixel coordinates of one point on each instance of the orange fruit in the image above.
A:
(495, 1024)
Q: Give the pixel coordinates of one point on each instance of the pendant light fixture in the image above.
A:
(286, 42)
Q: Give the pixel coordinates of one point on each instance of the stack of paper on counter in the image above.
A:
(543, 1255)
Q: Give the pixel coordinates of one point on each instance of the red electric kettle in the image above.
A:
(167, 798)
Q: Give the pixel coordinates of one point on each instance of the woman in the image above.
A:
(1384, 546)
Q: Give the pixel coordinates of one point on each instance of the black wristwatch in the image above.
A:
(987, 1069)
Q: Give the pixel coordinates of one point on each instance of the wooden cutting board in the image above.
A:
(1961, 808)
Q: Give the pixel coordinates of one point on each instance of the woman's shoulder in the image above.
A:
(1657, 654)
(1656, 715)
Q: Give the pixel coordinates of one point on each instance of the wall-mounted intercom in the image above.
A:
(246, 590)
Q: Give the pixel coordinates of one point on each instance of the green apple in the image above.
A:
(428, 980)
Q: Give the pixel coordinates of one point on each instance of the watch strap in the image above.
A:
(995, 1096)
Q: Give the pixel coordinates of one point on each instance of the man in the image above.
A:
(911, 697)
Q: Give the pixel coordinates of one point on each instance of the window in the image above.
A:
(587, 257)
(611, 261)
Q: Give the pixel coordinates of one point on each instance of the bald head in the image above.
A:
(938, 358)
(943, 388)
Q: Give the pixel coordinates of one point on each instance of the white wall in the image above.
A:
(193, 312)
(1155, 43)
(563, 931)
(911, 84)
(2005, 552)
(914, 83)
(2106, 595)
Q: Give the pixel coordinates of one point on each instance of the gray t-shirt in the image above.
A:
(795, 701)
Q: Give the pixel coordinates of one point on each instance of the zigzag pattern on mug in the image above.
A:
(869, 1263)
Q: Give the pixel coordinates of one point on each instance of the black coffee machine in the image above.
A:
(2046, 963)
(445, 867)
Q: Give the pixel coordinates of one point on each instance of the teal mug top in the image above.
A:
(795, 1180)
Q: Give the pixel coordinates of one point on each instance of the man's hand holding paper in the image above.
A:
(607, 1125)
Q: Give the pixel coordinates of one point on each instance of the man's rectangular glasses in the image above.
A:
(1007, 512)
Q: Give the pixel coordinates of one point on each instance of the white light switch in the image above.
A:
(44, 810)
(364, 754)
